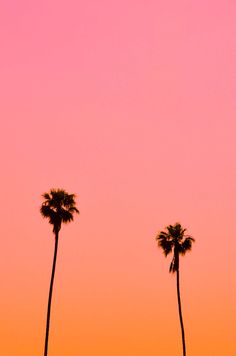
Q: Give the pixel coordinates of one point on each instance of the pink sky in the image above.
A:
(130, 105)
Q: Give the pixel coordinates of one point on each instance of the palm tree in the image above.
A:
(174, 240)
(59, 207)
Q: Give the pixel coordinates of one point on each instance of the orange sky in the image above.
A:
(130, 105)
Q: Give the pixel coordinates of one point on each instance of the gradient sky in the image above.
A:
(130, 104)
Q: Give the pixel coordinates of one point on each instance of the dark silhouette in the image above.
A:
(58, 207)
(174, 239)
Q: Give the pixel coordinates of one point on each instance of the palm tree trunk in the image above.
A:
(50, 295)
(180, 314)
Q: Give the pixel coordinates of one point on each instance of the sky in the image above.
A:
(131, 106)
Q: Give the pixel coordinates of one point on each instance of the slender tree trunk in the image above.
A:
(180, 314)
(50, 295)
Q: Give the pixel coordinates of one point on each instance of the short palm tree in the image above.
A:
(59, 207)
(174, 240)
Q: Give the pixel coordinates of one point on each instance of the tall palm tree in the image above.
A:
(175, 240)
(59, 207)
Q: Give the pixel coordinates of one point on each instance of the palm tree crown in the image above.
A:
(58, 207)
(174, 239)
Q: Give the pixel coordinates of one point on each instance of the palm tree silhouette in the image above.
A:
(59, 207)
(174, 240)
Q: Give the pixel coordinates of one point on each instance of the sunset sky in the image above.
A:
(130, 105)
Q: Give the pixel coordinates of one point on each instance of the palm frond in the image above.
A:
(46, 196)
(166, 246)
(46, 211)
(171, 269)
(186, 245)
(73, 209)
(69, 200)
(65, 215)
